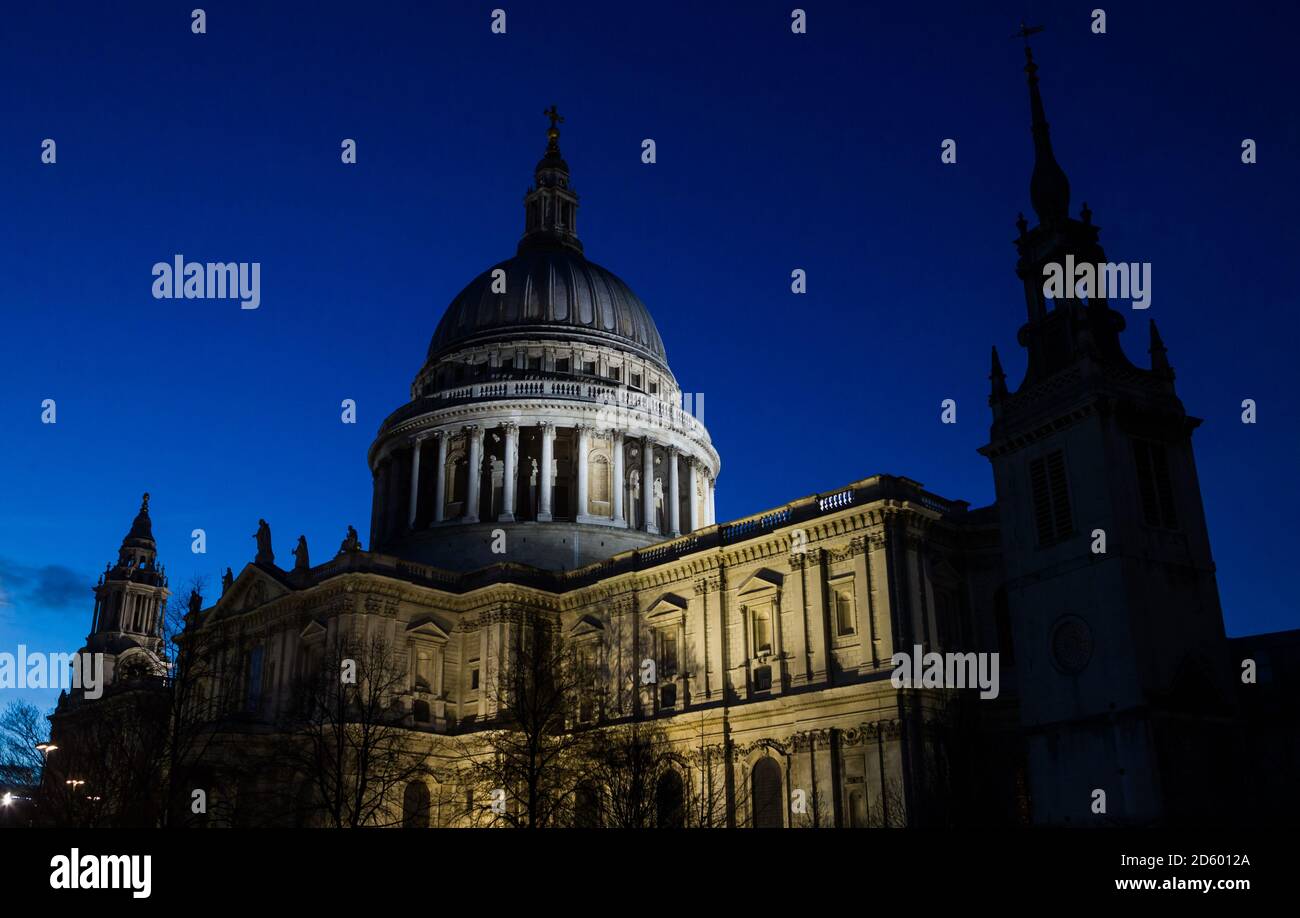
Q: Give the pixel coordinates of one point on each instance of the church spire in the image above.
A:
(1159, 356)
(998, 378)
(550, 205)
(1049, 189)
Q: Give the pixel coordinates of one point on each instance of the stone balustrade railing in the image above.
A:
(660, 413)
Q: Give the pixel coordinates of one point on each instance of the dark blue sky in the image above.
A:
(775, 151)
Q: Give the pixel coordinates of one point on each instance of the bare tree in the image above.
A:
(525, 767)
(638, 778)
(105, 771)
(22, 727)
(342, 757)
(205, 687)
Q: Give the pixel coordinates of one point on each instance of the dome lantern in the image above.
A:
(551, 206)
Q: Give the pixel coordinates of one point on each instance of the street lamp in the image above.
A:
(75, 783)
(46, 748)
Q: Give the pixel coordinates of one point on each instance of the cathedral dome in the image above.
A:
(551, 292)
(545, 413)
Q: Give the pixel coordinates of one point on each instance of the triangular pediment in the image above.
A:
(667, 604)
(313, 629)
(587, 624)
(428, 628)
(252, 588)
(763, 580)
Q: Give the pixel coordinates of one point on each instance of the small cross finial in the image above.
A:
(1025, 31)
(144, 503)
(554, 115)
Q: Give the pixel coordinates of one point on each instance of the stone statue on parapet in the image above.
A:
(263, 536)
(301, 563)
(351, 542)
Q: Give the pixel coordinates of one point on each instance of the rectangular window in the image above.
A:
(534, 363)
(473, 679)
(588, 682)
(508, 363)
(635, 380)
(562, 365)
(616, 373)
(589, 367)
(1154, 484)
(423, 669)
(761, 619)
(668, 652)
(1051, 498)
(654, 388)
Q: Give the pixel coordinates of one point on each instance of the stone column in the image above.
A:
(674, 496)
(801, 664)
(712, 509)
(440, 489)
(693, 488)
(584, 447)
(475, 469)
(616, 438)
(647, 485)
(548, 453)
(815, 597)
(413, 506)
(508, 485)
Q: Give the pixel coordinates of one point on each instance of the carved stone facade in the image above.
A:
(772, 658)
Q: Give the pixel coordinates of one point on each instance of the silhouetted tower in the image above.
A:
(130, 600)
(1118, 652)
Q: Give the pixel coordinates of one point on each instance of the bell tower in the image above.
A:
(1110, 585)
(130, 600)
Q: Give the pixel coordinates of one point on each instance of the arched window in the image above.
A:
(586, 806)
(415, 806)
(766, 782)
(670, 801)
